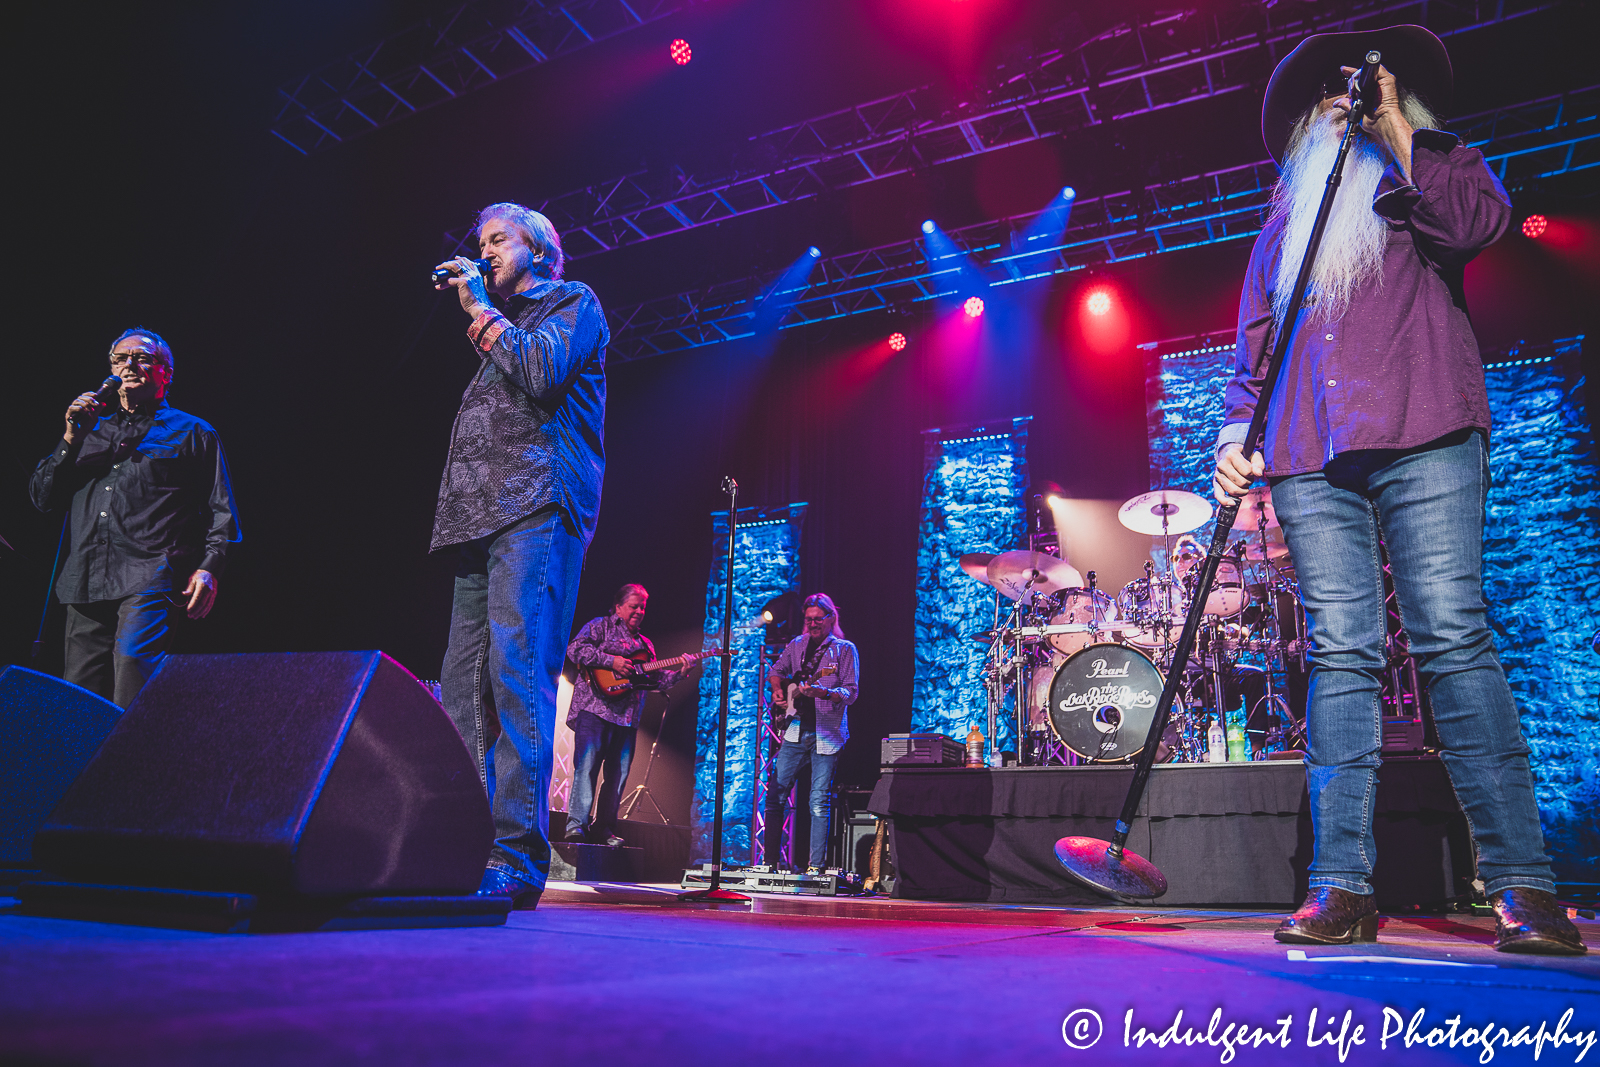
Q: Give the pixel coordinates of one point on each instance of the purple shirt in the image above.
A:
(1402, 367)
(599, 640)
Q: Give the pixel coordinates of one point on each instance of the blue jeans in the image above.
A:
(786, 768)
(515, 594)
(597, 743)
(1427, 504)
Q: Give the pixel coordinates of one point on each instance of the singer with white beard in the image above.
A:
(1379, 429)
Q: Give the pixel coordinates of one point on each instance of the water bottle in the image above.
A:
(1216, 742)
(1238, 739)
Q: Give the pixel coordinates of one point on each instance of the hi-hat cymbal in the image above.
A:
(1022, 573)
(1183, 512)
(976, 564)
(1256, 505)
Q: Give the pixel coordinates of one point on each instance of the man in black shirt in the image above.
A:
(150, 520)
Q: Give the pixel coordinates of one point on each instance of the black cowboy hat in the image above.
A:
(1411, 53)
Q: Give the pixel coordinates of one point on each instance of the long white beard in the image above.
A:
(1355, 237)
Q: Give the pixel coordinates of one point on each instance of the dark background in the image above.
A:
(146, 189)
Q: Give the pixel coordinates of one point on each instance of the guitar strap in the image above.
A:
(808, 671)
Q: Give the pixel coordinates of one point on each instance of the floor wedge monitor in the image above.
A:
(306, 774)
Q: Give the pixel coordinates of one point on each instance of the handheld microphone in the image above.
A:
(1364, 84)
(443, 275)
(106, 396)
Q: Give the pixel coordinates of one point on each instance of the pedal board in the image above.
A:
(764, 879)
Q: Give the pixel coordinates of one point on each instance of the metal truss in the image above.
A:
(472, 46)
(1535, 139)
(1133, 68)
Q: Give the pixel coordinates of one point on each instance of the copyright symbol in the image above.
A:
(1081, 1028)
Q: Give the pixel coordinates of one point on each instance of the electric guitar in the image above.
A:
(785, 713)
(609, 683)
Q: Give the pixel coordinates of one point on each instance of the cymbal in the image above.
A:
(976, 564)
(1256, 504)
(1021, 573)
(1183, 512)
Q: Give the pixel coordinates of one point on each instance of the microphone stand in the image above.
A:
(715, 892)
(1107, 866)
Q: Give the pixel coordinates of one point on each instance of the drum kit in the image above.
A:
(1082, 669)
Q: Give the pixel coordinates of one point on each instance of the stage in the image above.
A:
(613, 975)
(1223, 834)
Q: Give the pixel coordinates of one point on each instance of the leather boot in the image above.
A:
(1531, 921)
(1331, 916)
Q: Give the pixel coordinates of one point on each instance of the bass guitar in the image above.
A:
(609, 683)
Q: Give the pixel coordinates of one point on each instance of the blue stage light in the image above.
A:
(814, 252)
(1069, 193)
(929, 226)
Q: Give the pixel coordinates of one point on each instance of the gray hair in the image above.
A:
(536, 230)
(627, 591)
(157, 342)
(823, 602)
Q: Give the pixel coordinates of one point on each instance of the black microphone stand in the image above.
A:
(715, 892)
(1107, 866)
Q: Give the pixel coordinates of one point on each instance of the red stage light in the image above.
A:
(1099, 302)
(973, 307)
(1534, 225)
(897, 342)
(679, 50)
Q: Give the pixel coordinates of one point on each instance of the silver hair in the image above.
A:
(535, 229)
(1352, 247)
(157, 342)
(824, 602)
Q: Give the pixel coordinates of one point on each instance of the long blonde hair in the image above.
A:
(825, 602)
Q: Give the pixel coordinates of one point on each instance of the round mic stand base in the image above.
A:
(713, 896)
(1127, 876)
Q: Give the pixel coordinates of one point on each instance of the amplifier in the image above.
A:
(1402, 736)
(934, 750)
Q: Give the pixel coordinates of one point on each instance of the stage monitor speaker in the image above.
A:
(311, 773)
(49, 730)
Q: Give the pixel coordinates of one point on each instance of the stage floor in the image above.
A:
(621, 975)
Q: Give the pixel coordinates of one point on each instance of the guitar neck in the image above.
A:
(659, 664)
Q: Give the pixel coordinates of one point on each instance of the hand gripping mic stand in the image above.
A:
(715, 892)
(1107, 866)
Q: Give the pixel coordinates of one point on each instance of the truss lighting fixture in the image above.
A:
(1069, 193)
(1099, 302)
(897, 342)
(814, 252)
(1534, 225)
(679, 50)
(929, 226)
(973, 307)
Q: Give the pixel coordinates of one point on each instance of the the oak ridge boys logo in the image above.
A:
(1119, 696)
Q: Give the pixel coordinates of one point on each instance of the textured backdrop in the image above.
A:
(973, 485)
(1541, 555)
(767, 564)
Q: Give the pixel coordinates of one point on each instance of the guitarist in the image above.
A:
(604, 728)
(821, 669)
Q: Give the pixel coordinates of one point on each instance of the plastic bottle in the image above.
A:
(1216, 742)
(1238, 739)
(975, 747)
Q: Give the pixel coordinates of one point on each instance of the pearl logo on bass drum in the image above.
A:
(1102, 701)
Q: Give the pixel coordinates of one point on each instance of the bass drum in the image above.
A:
(1102, 701)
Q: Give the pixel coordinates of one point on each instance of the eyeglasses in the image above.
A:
(817, 618)
(1335, 86)
(143, 359)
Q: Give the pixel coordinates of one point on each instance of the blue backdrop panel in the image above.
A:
(1542, 579)
(767, 564)
(1541, 557)
(973, 486)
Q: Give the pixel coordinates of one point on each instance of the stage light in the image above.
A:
(1534, 225)
(1069, 193)
(679, 50)
(973, 307)
(897, 342)
(1099, 302)
(928, 226)
(814, 252)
